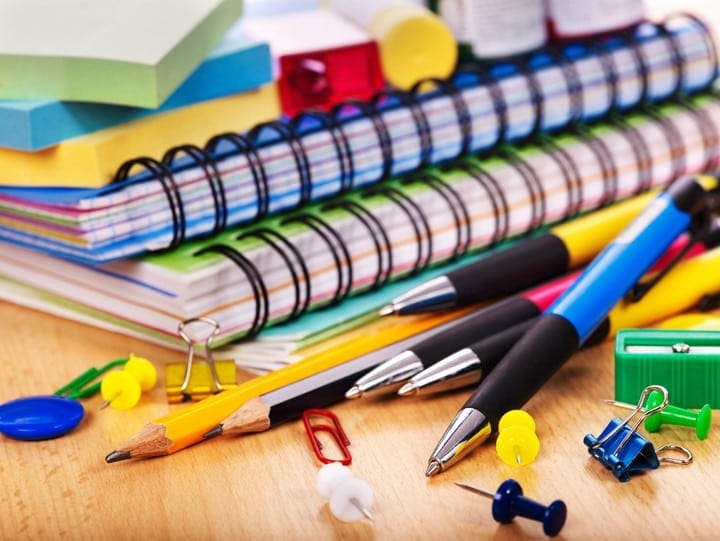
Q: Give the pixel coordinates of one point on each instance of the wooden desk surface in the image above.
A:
(262, 486)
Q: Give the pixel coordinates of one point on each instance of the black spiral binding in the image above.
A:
(534, 186)
(458, 207)
(459, 104)
(292, 132)
(417, 220)
(607, 163)
(411, 101)
(710, 134)
(339, 250)
(274, 239)
(200, 158)
(291, 137)
(499, 104)
(340, 142)
(243, 146)
(257, 284)
(570, 173)
(675, 140)
(640, 150)
(371, 112)
(609, 72)
(383, 247)
(498, 201)
(160, 173)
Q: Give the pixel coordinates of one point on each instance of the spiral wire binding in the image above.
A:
(291, 132)
(257, 284)
(417, 220)
(338, 249)
(378, 234)
(342, 257)
(231, 144)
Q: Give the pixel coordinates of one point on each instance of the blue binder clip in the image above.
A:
(622, 450)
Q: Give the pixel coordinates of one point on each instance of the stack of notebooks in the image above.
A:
(333, 206)
(76, 103)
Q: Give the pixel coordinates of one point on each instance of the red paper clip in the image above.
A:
(334, 429)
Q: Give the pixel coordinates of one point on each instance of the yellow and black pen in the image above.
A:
(526, 263)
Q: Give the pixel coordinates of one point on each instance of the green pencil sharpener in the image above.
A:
(685, 362)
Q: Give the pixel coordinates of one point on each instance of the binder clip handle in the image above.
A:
(216, 386)
(620, 448)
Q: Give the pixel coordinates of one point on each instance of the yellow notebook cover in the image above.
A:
(91, 160)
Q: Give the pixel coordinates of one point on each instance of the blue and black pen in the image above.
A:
(571, 319)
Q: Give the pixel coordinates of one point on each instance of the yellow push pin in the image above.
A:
(517, 444)
(121, 389)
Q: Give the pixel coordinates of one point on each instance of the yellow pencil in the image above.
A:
(680, 289)
(186, 427)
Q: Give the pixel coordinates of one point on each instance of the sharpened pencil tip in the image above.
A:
(433, 468)
(117, 456)
(353, 393)
(387, 310)
(408, 389)
(213, 432)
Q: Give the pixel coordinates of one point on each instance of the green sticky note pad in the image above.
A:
(685, 362)
(129, 52)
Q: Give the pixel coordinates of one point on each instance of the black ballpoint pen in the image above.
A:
(527, 263)
(389, 375)
(568, 323)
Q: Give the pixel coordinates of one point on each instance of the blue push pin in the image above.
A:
(508, 503)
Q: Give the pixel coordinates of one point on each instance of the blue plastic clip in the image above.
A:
(622, 450)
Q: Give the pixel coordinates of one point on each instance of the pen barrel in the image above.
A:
(543, 348)
(528, 263)
(621, 265)
(483, 323)
(491, 350)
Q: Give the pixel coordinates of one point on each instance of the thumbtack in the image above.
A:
(517, 444)
(121, 389)
(349, 498)
(509, 502)
(673, 415)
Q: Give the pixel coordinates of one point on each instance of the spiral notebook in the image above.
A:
(278, 166)
(358, 242)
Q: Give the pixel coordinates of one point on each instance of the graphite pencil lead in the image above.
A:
(117, 456)
(213, 432)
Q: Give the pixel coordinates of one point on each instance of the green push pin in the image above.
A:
(673, 415)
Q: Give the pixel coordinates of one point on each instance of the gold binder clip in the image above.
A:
(197, 379)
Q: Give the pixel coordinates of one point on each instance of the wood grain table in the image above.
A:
(262, 486)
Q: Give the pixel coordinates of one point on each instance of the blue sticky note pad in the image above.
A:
(237, 64)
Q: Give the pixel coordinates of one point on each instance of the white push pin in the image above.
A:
(350, 498)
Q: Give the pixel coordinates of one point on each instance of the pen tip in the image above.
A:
(213, 432)
(433, 468)
(387, 310)
(408, 389)
(117, 456)
(353, 393)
